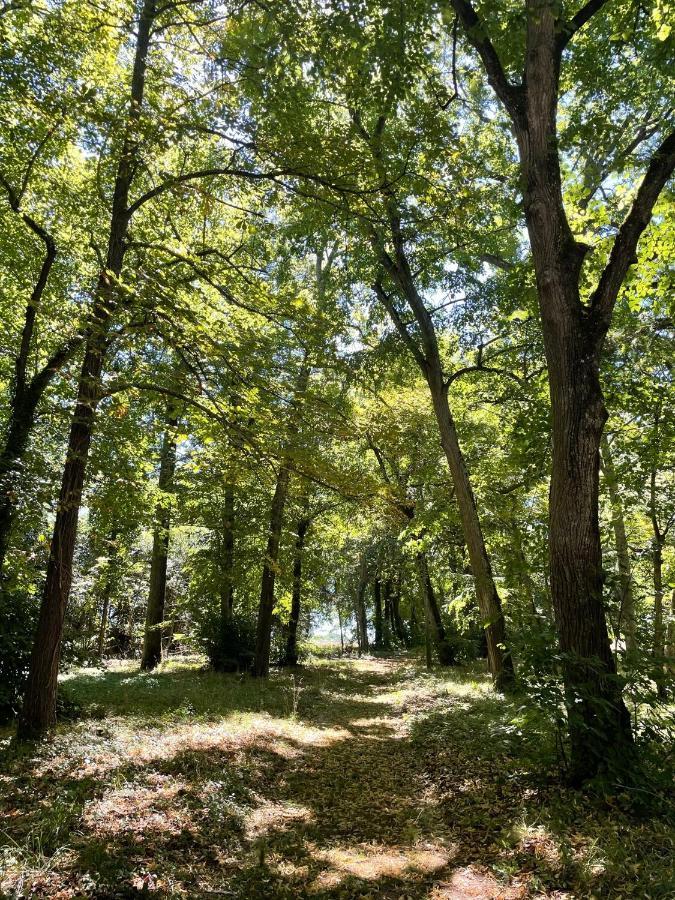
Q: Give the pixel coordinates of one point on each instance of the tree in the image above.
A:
(152, 642)
(574, 331)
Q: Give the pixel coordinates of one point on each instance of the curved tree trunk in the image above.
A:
(428, 358)
(500, 662)
(39, 706)
(152, 640)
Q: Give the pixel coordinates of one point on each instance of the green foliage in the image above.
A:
(17, 623)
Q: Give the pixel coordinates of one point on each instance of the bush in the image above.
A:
(229, 646)
(18, 613)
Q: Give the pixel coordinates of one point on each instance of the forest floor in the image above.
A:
(348, 778)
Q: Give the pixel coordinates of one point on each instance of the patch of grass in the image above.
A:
(497, 767)
(342, 779)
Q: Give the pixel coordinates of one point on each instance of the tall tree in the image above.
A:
(39, 709)
(574, 330)
(152, 640)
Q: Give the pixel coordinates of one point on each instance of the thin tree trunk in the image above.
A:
(108, 587)
(361, 617)
(429, 361)
(39, 706)
(433, 614)
(152, 640)
(227, 557)
(671, 635)
(500, 663)
(388, 616)
(397, 621)
(264, 630)
(266, 607)
(342, 638)
(626, 596)
(291, 654)
(26, 394)
(377, 602)
(659, 648)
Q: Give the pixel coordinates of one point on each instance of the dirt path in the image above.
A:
(356, 816)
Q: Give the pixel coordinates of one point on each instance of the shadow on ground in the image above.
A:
(345, 780)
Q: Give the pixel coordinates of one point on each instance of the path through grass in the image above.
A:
(348, 779)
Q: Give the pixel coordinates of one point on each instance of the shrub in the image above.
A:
(18, 613)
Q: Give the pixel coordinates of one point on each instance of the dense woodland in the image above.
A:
(347, 320)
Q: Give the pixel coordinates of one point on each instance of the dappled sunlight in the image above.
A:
(354, 779)
(471, 883)
(139, 810)
(271, 816)
(371, 863)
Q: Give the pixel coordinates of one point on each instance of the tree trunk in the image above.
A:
(396, 620)
(108, 587)
(433, 614)
(599, 722)
(659, 647)
(152, 640)
(388, 615)
(26, 394)
(500, 662)
(291, 655)
(626, 597)
(574, 333)
(39, 707)
(671, 635)
(266, 608)
(430, 363)
(361, 617)
(227, 557)
(377, 601)
(19, 427)
(261, 663)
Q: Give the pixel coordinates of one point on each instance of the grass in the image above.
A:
(348, 778)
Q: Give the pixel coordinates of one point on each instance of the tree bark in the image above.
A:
(428, 358)
(626, 622)
(26, 394)
(360, 606)
(433, 613)
(264, 630)
(574, 332)
(152, 640)
(659, 648)
(39, 707)
(500, 662)
(108, 587)
(377, 602)
(397, 621)
(266, 607)
(227, 557)
(388, 614)
(291, 654)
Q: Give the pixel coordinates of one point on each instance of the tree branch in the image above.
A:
(585, 14)
(623, 254)
(401, 327)
(510, 94)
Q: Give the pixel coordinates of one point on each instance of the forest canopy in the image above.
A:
(347, 322)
